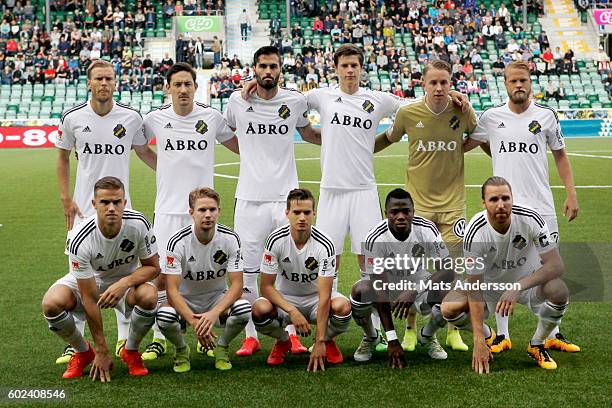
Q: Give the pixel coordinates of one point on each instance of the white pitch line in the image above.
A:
(589, 155)
(227, 176)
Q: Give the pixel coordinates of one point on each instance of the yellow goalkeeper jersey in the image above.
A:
(434, 172)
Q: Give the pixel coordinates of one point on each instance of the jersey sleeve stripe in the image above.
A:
(73, 109)
(272, 239)
(481, 222)
(203, 105)
(81, 232)
(325, 241)
(177, 237)
(282, 230)
(554, 112)
(371, 238)
(129, 107)
(426, 223)
(531, 214)
(76, 243)
(226, 230)
(138, 217)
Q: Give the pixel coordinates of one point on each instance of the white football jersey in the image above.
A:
(518, 147)
(108, 260)
(348, 131)
(265, 130)
(185, 152)
(103, 145)
(203, 268)
(511, 256)
(297, 270)
(424, 241)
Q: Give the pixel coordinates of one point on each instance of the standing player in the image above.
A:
(303, 259)
(402, 235)
(102, 132)
(104, 273)
(509, 244)
(518, 133)
(265, 125)
(186, 132)
(434, 172)
(199, 259)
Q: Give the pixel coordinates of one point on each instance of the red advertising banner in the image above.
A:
(29, 136)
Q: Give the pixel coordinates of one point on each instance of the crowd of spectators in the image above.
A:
(83, 31)
(455, 31)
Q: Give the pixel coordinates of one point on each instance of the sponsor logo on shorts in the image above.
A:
(459, 227)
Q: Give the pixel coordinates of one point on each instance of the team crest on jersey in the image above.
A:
(368, 106)
(60, 135)
(119, 131)
(535, 127)
(418, 251)
(220, 257)
(311, 264)
(454, 123)
(284, 112)
(459, 227)
(201, 127)
(126, 245)
(519, 242)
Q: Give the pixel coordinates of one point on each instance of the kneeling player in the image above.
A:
(198, 257)
(104, 254)
(304, 260)
(409, 238)
(508, 245)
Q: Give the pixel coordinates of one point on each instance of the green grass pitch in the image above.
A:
(31, 242)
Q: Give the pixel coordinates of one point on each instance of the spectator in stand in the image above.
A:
(243, 20)
(472, 86)
(550, 91)
(226, 88)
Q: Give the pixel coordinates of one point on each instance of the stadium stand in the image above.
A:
(477, 38)
(42, 73)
